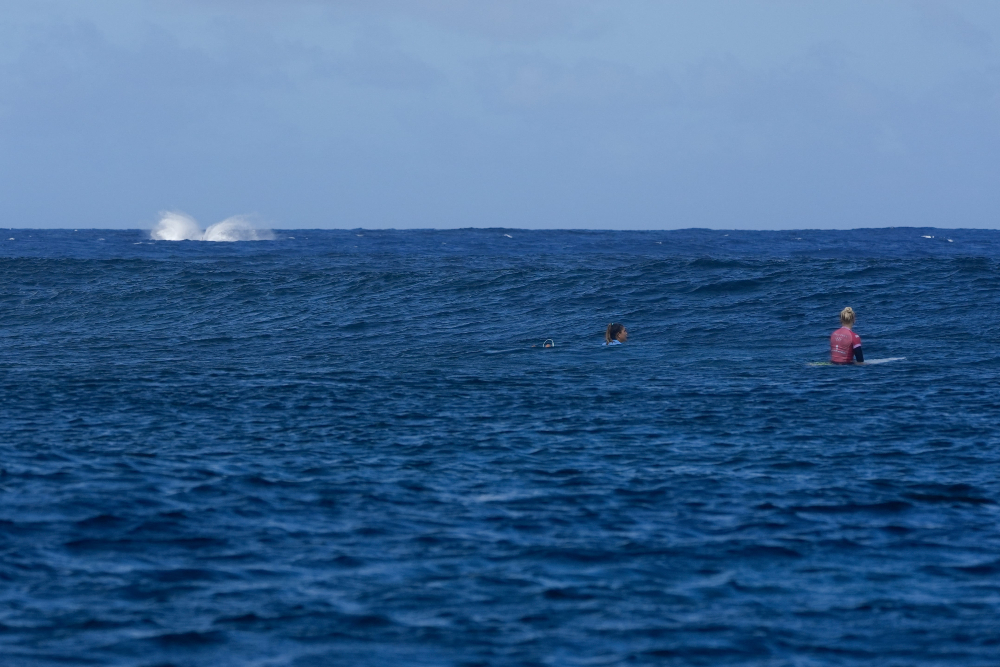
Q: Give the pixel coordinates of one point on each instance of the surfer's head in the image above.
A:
(847, 317)
(616, 331)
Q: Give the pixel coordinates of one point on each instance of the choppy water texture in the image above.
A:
(342, 448)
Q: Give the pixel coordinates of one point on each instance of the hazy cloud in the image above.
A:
(944, 21)
(510, 20)
(455, 113)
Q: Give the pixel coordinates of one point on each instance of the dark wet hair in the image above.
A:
(614, 329)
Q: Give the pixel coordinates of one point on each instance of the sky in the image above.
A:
(576, 114)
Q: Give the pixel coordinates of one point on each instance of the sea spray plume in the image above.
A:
(176, 226)
(237, 228)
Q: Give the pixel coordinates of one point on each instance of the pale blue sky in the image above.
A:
(625, 114)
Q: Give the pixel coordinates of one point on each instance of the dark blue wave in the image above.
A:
(343, 448)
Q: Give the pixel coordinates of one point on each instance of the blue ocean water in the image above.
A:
(346, 448)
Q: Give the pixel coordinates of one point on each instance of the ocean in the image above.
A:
(350, 448)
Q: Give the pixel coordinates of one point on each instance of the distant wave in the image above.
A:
(175, 226)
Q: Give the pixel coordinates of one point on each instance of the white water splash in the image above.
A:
(175, 226)
(237, 228)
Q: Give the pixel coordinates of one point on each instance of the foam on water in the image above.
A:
(176, 226)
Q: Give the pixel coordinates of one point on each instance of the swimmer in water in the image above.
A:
(616, 334)
(845, 345)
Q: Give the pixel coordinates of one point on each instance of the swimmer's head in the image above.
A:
(847, 317)
(616, 331)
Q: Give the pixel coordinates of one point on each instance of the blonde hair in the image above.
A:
(847, 316)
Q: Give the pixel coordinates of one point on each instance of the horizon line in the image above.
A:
(517, 229)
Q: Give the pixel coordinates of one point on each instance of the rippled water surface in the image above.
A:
(342, 448)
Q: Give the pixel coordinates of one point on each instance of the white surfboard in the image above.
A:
(866, 362)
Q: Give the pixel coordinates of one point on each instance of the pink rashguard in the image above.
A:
(843, 342)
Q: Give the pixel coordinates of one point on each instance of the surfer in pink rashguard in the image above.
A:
(845, 345)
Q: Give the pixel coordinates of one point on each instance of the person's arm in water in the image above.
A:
(859, 356)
